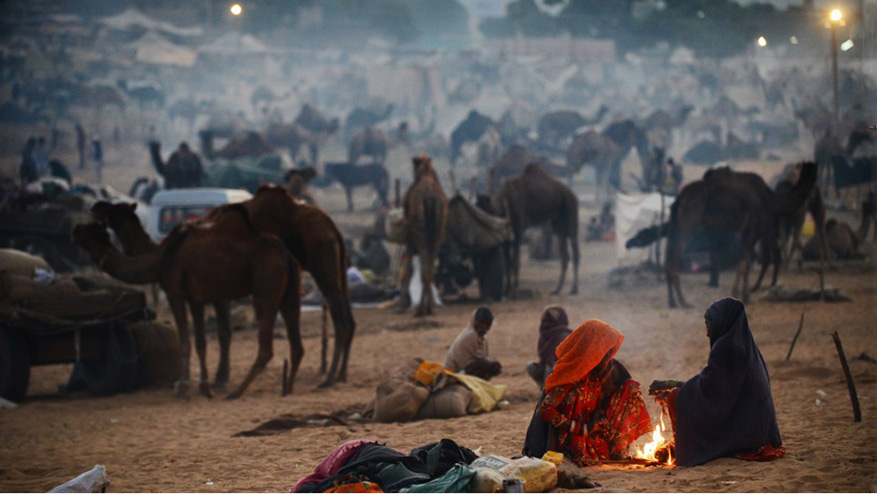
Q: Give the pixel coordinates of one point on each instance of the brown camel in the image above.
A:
(124, 222)
(186, 267)
(842, 242)
(316, 243)
(516, 159)
(295, 137)
(425, 207)
(533, 198)
(556, 126)
(182, 170)
(740, 203)
(595, 149)
(297, 184)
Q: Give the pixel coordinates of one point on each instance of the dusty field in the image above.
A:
(149, 441)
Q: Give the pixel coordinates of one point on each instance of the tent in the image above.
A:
(634, 212)
(155, 49)
(134, 18)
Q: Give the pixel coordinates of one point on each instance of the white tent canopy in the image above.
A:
(155, 49)
(134, 18)
(634, 212)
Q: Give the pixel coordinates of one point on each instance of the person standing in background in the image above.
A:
(97, 157)
(80, 145)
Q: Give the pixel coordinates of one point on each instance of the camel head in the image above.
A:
(114, 215)
(92, 238)
(422, 166)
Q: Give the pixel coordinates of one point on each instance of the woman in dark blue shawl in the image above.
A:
(727, 409)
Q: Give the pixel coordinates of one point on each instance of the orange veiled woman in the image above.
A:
(591, 408)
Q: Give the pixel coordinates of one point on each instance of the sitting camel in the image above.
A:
(187, 268)
(533, 198)
(425, 207)
(182, 170)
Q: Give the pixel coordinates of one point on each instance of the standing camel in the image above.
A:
(533, 198)
(295, 137)
(220, 260)
(182, 170)
(556, 126)
(372, 142)
(469, 130)
(740, 203)
(425, 209)
(316, 243)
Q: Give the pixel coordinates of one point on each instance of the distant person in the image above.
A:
(553, 329)
(41, 156)
(80, 144)
(727, 409)
(28, 169)
(469, 353)
(97, 160)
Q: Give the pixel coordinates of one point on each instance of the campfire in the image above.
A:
(659, 449)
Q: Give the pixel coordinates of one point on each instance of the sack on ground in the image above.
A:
(399, 400)
(450, 402)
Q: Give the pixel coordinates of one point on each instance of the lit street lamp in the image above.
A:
(762, 42)
(835, 17)
(236, 9)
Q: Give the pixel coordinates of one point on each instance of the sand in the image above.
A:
(150, 441)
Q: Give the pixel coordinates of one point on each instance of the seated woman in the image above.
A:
(727, 409)
(553, 328)
(591, 409)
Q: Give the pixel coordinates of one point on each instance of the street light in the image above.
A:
(236, 9)
(835, 17)
(762, 42)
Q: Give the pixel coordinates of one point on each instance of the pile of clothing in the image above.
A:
(367, 466)
(426, 390)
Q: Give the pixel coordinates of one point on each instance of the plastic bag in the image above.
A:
(490, 471)
(457, 479)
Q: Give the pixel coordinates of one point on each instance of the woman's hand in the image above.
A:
(663, 386)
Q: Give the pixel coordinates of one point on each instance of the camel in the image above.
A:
(351, 175)
(315, 242)
(842, 242)
(371, 142)
(367, 117)
(297, 184)
(556, 126)
(530, 199)
(425, 207)
(732, 202)
(469, 130)
(484, 150)
(182, 170)
(313, 120)
(186, 267)
(605, 151)
(295, 137)
(516, 159)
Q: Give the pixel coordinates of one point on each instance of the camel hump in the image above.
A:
(534, 168)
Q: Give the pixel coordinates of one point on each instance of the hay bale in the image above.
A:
(398, 400)
(159, 349)
(450, 402)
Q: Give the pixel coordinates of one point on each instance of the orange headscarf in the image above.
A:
(582, 351)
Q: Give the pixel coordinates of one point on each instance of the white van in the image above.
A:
(169, 208)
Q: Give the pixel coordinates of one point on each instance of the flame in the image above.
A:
(650, 449)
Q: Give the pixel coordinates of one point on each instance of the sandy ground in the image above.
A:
(150, 441)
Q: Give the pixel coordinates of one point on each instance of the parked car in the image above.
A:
(169, 208)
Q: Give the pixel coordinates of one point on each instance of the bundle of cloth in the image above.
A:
(368, 466)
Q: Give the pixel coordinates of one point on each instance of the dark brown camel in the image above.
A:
(533, 198)
(187, 268)
(315, 242)
(558, 125)
(183, 169)
(740, 203)
(297, 184)
(425, 207)
(122, 219)
(516, 159)
(842, 242)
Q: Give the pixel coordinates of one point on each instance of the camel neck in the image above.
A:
(140, 269)
(135, 241)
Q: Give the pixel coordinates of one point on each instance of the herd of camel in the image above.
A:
(257, 248)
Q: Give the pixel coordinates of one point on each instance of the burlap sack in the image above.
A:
(398, 400)
(450, 402)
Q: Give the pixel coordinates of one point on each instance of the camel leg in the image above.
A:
(404, 295)
(672, 265)
(223, 332)
(575, 262)
(265, 314)
(324, 335)
(290, 311)
(197, 310)
(343, 334)
(349, 191)
(516, 255)
(747, 259)
(426, 276)
(714, 266)
(178, 308)
(564, 262)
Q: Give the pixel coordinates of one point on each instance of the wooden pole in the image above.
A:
(854, 397)
(398, 198)
(795, 339)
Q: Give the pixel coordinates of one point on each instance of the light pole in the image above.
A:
(835, 17)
